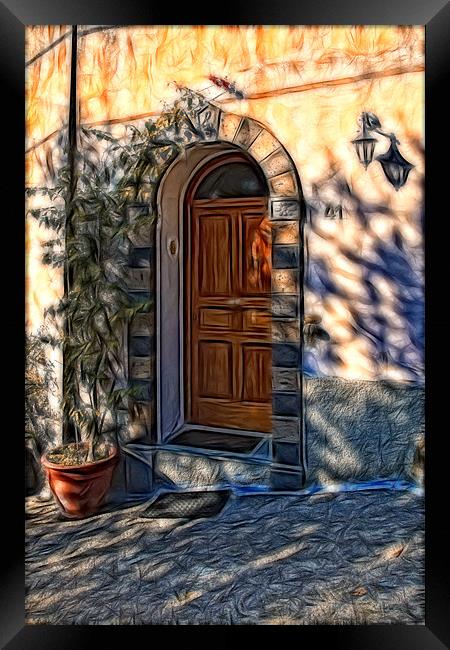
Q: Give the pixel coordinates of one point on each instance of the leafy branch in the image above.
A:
(91, 239)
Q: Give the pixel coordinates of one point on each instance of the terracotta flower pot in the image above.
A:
(80, 489)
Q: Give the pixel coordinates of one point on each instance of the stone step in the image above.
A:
(183, 468)
(145, 469)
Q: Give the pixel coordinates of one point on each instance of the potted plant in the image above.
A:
(90, 240)
(88, 216)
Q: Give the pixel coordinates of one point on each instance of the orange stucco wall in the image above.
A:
(308, 85)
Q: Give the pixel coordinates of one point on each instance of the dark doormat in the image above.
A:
(186, 505)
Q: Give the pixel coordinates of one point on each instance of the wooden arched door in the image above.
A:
(228, 304)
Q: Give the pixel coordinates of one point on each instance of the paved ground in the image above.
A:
(350, 558)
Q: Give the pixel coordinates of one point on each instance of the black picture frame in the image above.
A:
(434, 14)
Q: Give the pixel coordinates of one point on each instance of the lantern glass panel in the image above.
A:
(368, 149)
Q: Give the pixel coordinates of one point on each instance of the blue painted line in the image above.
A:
(316, 488)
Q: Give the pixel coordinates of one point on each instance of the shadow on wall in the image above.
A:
(376, 280)
(362, 430)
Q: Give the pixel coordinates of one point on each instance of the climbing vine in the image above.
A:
(91, 241)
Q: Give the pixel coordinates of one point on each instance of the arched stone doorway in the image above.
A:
(235, 138)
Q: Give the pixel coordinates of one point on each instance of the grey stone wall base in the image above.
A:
(362, 430)
(354, 431)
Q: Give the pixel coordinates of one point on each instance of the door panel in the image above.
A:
(229, 354)
(233, 415)
(220, 319)
(213, 246)
(256, 320)
(215, 363)
(257, 373)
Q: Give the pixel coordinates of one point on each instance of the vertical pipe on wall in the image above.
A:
(68, 429)
(73, 113)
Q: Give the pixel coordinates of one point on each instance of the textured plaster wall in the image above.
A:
(308, 85)
(362, 430)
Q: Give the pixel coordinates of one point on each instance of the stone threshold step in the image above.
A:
(194, 468)
(217, 440)
(220, 444)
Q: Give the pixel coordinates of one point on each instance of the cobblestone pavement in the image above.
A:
(348, 558)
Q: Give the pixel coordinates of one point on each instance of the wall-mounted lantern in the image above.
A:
(365, 146)
(395, 167)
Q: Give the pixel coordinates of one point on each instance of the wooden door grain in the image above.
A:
(228, 313)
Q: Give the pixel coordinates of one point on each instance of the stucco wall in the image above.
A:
(307, 85)
(362, 430)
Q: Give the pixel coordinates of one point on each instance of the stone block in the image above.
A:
(285, 330)
(285, 379)
(228, 126)
(285, 209)
(140, 297)
(140, 346)
(137, 425)
(117, 493)
(135, 210)
(285, 257)
(138, 279)
(141, 237)
(263, 146)
(142, 418)
(286, 428)
(141, 257)
(284, 281)
(285, 355)
(138, 470)
(283, 185)
(277, 163)
(144, 389)
(286, 453)
(286, 232)
(143, 325)
(284, 305)
(286, 403)
(247, 132)
(208, 120)
(145, 192)
(141, 368)
(286, 481)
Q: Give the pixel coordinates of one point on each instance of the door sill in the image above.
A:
(212, 439)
